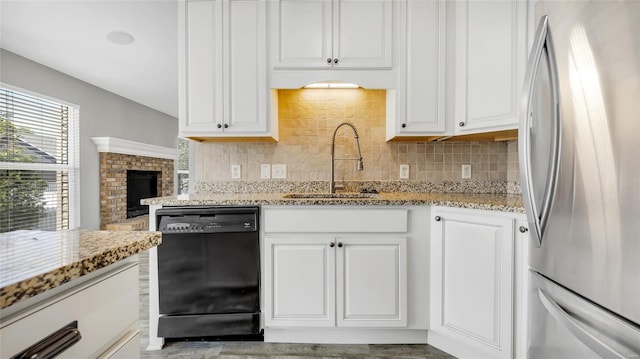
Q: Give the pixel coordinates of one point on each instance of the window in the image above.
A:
(38, 162)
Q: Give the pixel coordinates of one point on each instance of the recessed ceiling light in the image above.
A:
(120, 37)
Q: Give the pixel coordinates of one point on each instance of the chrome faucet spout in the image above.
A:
(360, 164)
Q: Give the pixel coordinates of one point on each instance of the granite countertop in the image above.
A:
(495, 202)
(32, 262)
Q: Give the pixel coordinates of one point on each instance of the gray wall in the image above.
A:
(102, 114)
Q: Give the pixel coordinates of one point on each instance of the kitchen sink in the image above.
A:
(331, 195)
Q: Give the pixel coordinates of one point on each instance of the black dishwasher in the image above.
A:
(208, 272)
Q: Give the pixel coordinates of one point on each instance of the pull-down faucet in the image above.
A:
(359, 166)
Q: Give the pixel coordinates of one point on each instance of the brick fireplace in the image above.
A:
(116, 157)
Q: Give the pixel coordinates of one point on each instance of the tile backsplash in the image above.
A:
(307, 120)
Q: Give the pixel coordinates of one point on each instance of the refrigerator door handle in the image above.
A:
(538, 218)
(585, 334)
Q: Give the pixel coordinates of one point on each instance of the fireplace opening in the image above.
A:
(140, 184)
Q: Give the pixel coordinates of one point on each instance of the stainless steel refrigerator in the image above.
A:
(579, 148)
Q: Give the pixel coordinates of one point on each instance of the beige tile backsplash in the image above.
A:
(307, 119)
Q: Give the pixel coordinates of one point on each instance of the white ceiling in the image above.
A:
(71, 37)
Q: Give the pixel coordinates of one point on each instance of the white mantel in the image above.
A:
(117, 145)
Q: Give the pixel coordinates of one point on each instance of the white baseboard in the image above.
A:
(345, 336)
(457, 348)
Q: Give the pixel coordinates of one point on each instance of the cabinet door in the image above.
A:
(420, 95)
(245, 75)
(472, 279)
(300, 282)
(201, 68)
(371, 282)
(302, 33)
(490, 63)
(362, 33)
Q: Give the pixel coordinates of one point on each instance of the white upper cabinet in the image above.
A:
(201, 71)
(326, 34)
(303, 35)
(223, 70)
(417, 106)
(362, 34)
(459, 67)
(490, 60)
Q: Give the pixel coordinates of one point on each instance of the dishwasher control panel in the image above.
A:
(206, 222)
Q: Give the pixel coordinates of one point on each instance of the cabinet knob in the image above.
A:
(219, 126)
(332, 244)
(524, 229)
(340, 244)
(438, 218)
(226, 125)
(461, 124)
(329, 60)
(335, 61)
(404, 125)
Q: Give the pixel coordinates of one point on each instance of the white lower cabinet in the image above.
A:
(472, 282)
(371, 282)
(345, 274)
(300, 280)
(336, 281)
(106, 311)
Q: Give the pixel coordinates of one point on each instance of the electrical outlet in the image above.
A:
(265, 171)
(279, 171)
(466, 171)
(404, 171)
(236, 172)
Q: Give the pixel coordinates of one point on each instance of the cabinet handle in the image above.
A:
(226, 125)
(54, 344)
(329, 60)
(335, 61)
(461, 124)
(404, 125)
(524, 229)
(219, 126)
(340, 244)
(332, 244)
(438, 218)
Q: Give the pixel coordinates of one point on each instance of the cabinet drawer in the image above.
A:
(105, 310)
(336, 220)
(127, 348)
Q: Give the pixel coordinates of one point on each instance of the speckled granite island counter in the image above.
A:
(496, 202)
(33, 262)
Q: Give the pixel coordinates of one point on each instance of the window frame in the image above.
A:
(73, 160)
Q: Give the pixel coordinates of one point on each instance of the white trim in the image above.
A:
(24, 166)
(116, 145)
(345, 336)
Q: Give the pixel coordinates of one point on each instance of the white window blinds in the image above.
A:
(38, 162)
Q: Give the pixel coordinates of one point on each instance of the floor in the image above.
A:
(251, 350)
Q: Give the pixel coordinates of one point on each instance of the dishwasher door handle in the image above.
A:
(49, 347)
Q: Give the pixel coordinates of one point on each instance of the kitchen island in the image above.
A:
(80, 284)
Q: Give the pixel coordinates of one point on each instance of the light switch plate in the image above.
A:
(466, 171)
(279, 171)
(236, 172)
(404, 171)
(265, 171)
